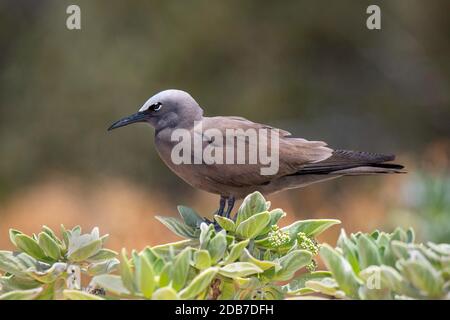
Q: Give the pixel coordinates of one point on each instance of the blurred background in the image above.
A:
(311, 67)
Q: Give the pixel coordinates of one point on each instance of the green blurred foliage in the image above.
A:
(309, 66)
(426, 204)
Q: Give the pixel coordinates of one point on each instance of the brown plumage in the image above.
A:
(301, 162)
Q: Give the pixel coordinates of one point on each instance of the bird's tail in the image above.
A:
(345, 162)
(374, 169)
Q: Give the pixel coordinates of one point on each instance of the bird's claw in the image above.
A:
(216, 225)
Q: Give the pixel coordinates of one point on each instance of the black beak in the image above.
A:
(137, 117)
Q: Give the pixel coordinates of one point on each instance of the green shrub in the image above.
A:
(249, 257)
(425, 203)
(46, 267)
(383, 266)
(244, 259)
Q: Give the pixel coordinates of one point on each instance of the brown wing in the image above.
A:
(294, 153)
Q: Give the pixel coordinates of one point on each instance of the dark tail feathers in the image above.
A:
(348, 162)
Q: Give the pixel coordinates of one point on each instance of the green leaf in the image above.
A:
(12, 235)
(206, 232)
(202, 259)
(375, 234)
(268, 255)
(29, 246)
(399, 234)
(311, 228)
(227, 289)
(236, 251)
(275, 216)
(166, 274)
(400, 249)
(22, 294)
(12, 282)
(11, 264)
(341, 269)
(355, 236)
(165, 293)
(181, 269)
(111, 283)
(199, 283)
(291, 263)
(225, 223)
(95, 233)
(178, 227)
(190, 217)
(388, 256)
(135, 264)
(80, 253)
(29, 262)
(268, 244)
(51, 291)
(302, 292)
(48, 275)
(364, 293)
(349, 250)
(239, 269)
(389, 278)
(166, 250)
(368, 252)
(146, 277)
(126, 273)
(248, 283)
(270, 292)
(80, 295)
(52, 235)
(424, 277)
(326, 286)
(76, 231)
(252, 227)
(297, 285)
(263, 264)
(230, 239)
(253, 203)
(102, 254)
(104, 238)
(383, 240)
(151, 255)
(49, 246)
(65, 234)
(217, 246)
(102, 267)
(433, 257)
(442, 249)
(410, 236)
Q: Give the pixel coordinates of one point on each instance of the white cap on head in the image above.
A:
(172, 95)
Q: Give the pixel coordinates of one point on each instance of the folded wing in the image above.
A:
(293, 153)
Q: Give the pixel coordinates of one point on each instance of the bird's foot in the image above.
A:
(216, 225)
(206, 220)
(222, 212)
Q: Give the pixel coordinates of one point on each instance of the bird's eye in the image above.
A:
(156, 107)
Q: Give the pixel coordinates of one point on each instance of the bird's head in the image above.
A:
(168, 108)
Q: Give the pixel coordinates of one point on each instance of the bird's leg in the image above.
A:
(219, 212)
(221, 205)
(230, 206)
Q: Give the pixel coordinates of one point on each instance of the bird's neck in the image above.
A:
(164, 135)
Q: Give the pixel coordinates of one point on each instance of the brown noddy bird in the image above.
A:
(301, 162)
